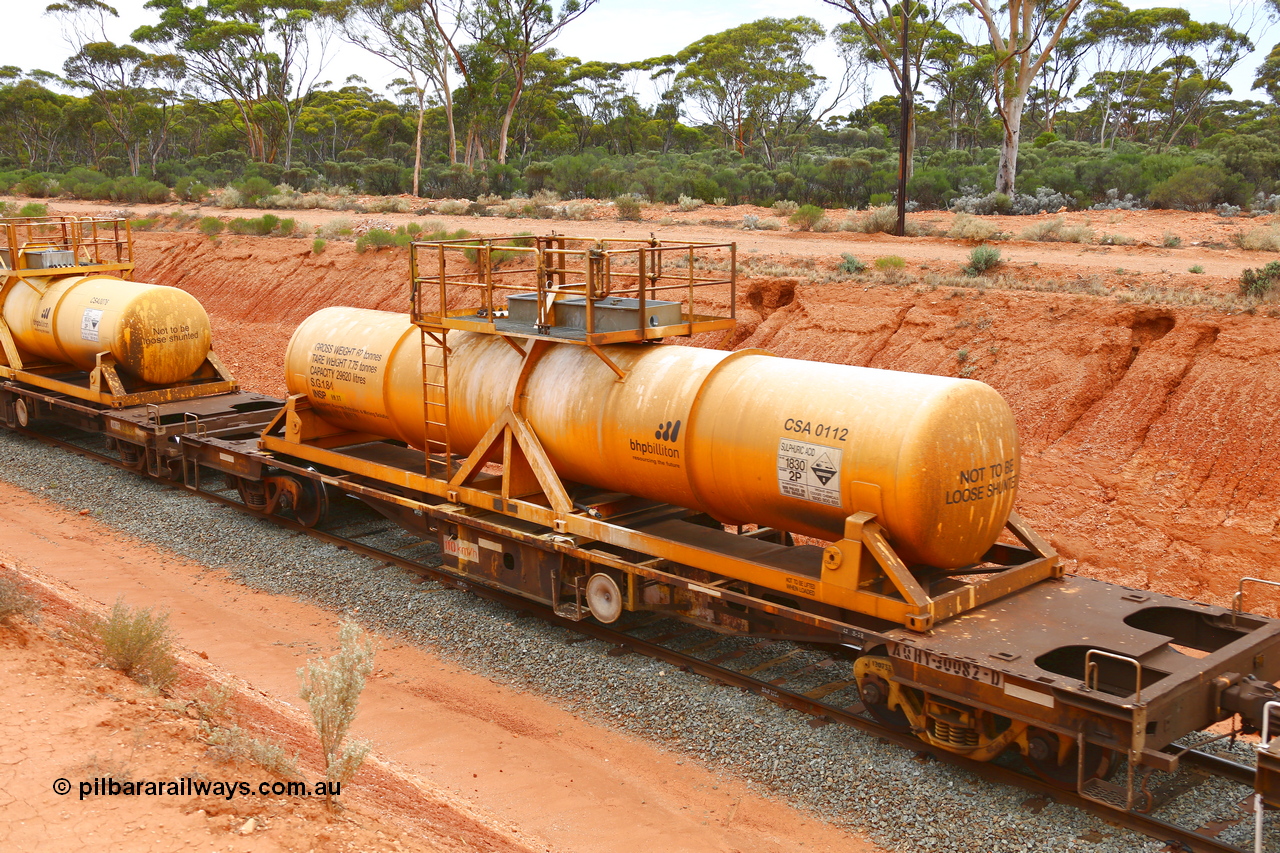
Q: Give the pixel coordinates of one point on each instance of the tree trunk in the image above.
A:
(1007, 171)
(417, 143)
(448, 115)
(506, 118)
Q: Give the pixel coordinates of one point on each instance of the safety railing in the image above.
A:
(467, 284)
(100, 243)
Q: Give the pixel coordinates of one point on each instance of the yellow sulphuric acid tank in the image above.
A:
(746, 436)
(155, 333)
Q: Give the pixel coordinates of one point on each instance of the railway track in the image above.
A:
(807, 679)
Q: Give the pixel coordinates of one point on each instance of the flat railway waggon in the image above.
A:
(531, 414)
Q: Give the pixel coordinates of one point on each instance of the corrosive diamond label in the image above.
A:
(810, 472)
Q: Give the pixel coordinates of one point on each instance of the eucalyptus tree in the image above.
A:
(1023, 35)
(753, 82)
(513, 31)
(133, 90)
(418, 37)
(262, 59)
(897, 36)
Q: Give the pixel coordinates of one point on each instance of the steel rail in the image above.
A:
(1186, 839)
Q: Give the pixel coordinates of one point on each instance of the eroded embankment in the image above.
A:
(1146, 430)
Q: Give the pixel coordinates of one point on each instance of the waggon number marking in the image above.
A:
(950, 666)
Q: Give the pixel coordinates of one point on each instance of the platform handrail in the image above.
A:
(557, 266)
(1091, 671)
(1237, 600)
(1258, 805)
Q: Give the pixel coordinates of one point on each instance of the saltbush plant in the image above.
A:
(331, 688)
(137, 642)
(982, 259)
(850, 265)
(628, 207)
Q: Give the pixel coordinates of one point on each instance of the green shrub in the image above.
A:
(137, 643)
(375, 238)
(210, 226)
(1259, 283)
(983, 258)
(1198, 187)
(1171, 240)
(145, 224)
(1196, 269)
(39, 185)
(807, 217)
(189, 189)
(628, 208)
(34, 208)
(850, 264)
(317, 246)
(331, 688)
(255, 190)
(263, 226)
(890, 263)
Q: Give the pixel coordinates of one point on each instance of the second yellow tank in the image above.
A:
(746, 436)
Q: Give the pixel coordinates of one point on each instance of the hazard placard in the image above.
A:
(89, 323)
(810, 472)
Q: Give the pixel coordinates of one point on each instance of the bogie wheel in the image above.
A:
(312, 503)
(1044, 749)
(875, 691)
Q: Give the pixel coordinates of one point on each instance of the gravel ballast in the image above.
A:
(899, 799)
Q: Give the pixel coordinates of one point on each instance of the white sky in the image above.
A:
(613, 31)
